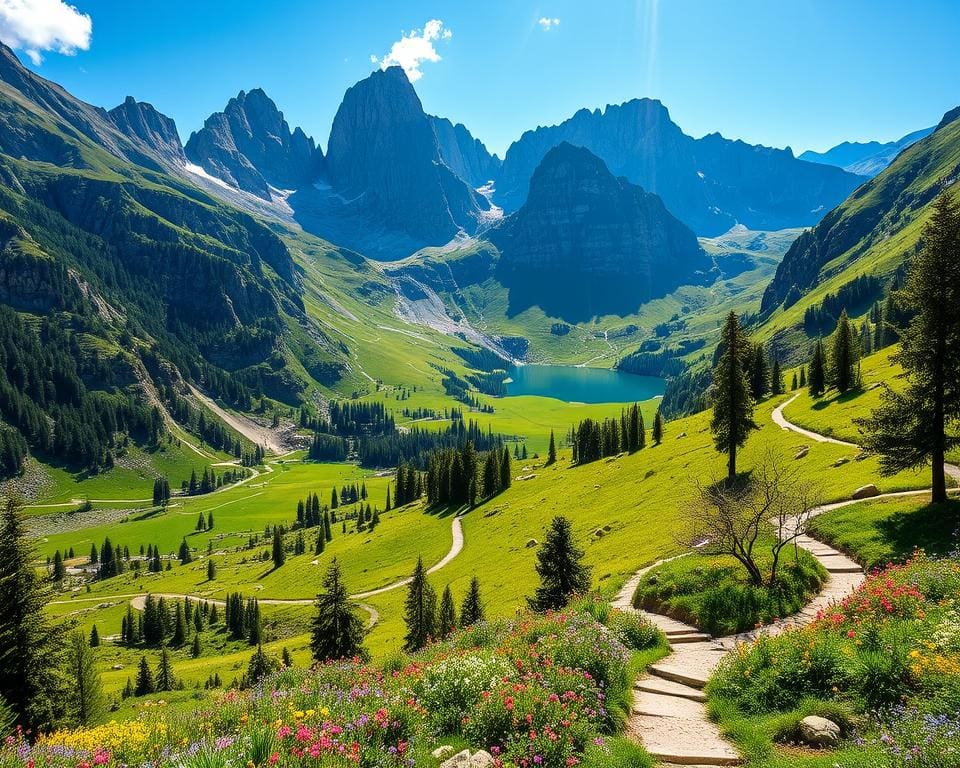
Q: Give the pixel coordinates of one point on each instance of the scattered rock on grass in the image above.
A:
(532, 543)
(459, 760)
(819, 732)
(802, 452)
(841, 461)
(866, 492)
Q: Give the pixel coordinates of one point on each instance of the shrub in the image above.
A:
(634, 631)
(449, 689)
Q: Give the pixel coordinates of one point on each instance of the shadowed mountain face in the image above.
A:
(249, 145)
(464, 155)
(710, 184)
(383, 157)
(587, 243)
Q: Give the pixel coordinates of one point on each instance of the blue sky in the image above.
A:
(803, 74)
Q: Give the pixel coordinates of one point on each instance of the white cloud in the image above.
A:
(414, 48)
(34, 26)
(546, 22)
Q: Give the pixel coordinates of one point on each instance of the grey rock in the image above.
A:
(442, 752)
(531, 543)
(463, 154)
(461, 759)
(143, 123)
(819, 731)
(250, 146)
(802, 453)
(481, 759)
(866, 492)
(383, 154)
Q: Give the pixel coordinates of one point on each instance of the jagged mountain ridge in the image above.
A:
(250, 146)
(865, 158)
(710, 184)
(463, 154)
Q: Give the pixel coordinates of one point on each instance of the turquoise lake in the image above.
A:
(582, 385)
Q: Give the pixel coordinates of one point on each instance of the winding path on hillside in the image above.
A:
(669, 714)
(138, 600)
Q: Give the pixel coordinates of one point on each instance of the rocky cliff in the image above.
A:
(383, 156)
(250, 146)
(141, 122)
(586, 242)
(463, 154)
(710, 184)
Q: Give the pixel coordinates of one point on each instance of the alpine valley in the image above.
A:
(380, 449)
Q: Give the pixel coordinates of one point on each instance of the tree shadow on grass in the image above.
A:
(932, 528)
(846, 397)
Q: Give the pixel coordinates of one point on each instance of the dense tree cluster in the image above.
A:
(461, 476)
(593, 439)
(415, 445)
(44, 395)
(856, 295)
(426, 620)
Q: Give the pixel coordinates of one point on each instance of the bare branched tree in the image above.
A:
(731, 518)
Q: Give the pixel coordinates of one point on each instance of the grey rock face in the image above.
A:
(463, 154)
(819, 732)
(250, 146)
(142, 122)
(383, 157)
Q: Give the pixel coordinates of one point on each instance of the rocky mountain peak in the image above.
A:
(250, 146)
(140, 121)
(383, 155)
(586, 242)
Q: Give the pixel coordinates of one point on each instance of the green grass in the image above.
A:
(714, 594)
(888, 530)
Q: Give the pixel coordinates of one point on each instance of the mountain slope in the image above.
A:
(250, 146)
(585, 243)
(874, 231)
(865, 158)
(143, 279)
(710, 184)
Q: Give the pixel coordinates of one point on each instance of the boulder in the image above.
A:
(841, 461)
(442, 753)
(598, 533)
(819, 732)
(531, 543)
(459, 760)
(481, 759)
(682, 434)
(802, 453)
(866, 492)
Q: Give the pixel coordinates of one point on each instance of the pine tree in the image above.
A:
(793, 382)
(845, 356)
(59, 569)
(562, 574)
(211, 569)
(420, 610)
(279, 556)
(145, 682)
(817, 379)
(338, 630)
(321, 543)
(201, 522)
(31, 681)
(471, 611)
(184, 554)
(758, 372)
(179, 628)
(165, 679)
(506, 478)
(447, 618)
(910, 428)
(657, 432)
(209, 521)
(93, 554)
(260, 666)
(94, 637)
(552, 450)
(732, 403)
(196, 649)
(776, 379)
(86, 702)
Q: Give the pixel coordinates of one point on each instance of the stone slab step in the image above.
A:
(662, 705)
(669, 688)
(689, 637)
(682, 741)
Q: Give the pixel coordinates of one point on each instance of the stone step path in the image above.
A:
(669, 706)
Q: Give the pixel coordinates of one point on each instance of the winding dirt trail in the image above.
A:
(669, 709)
(138, 600)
